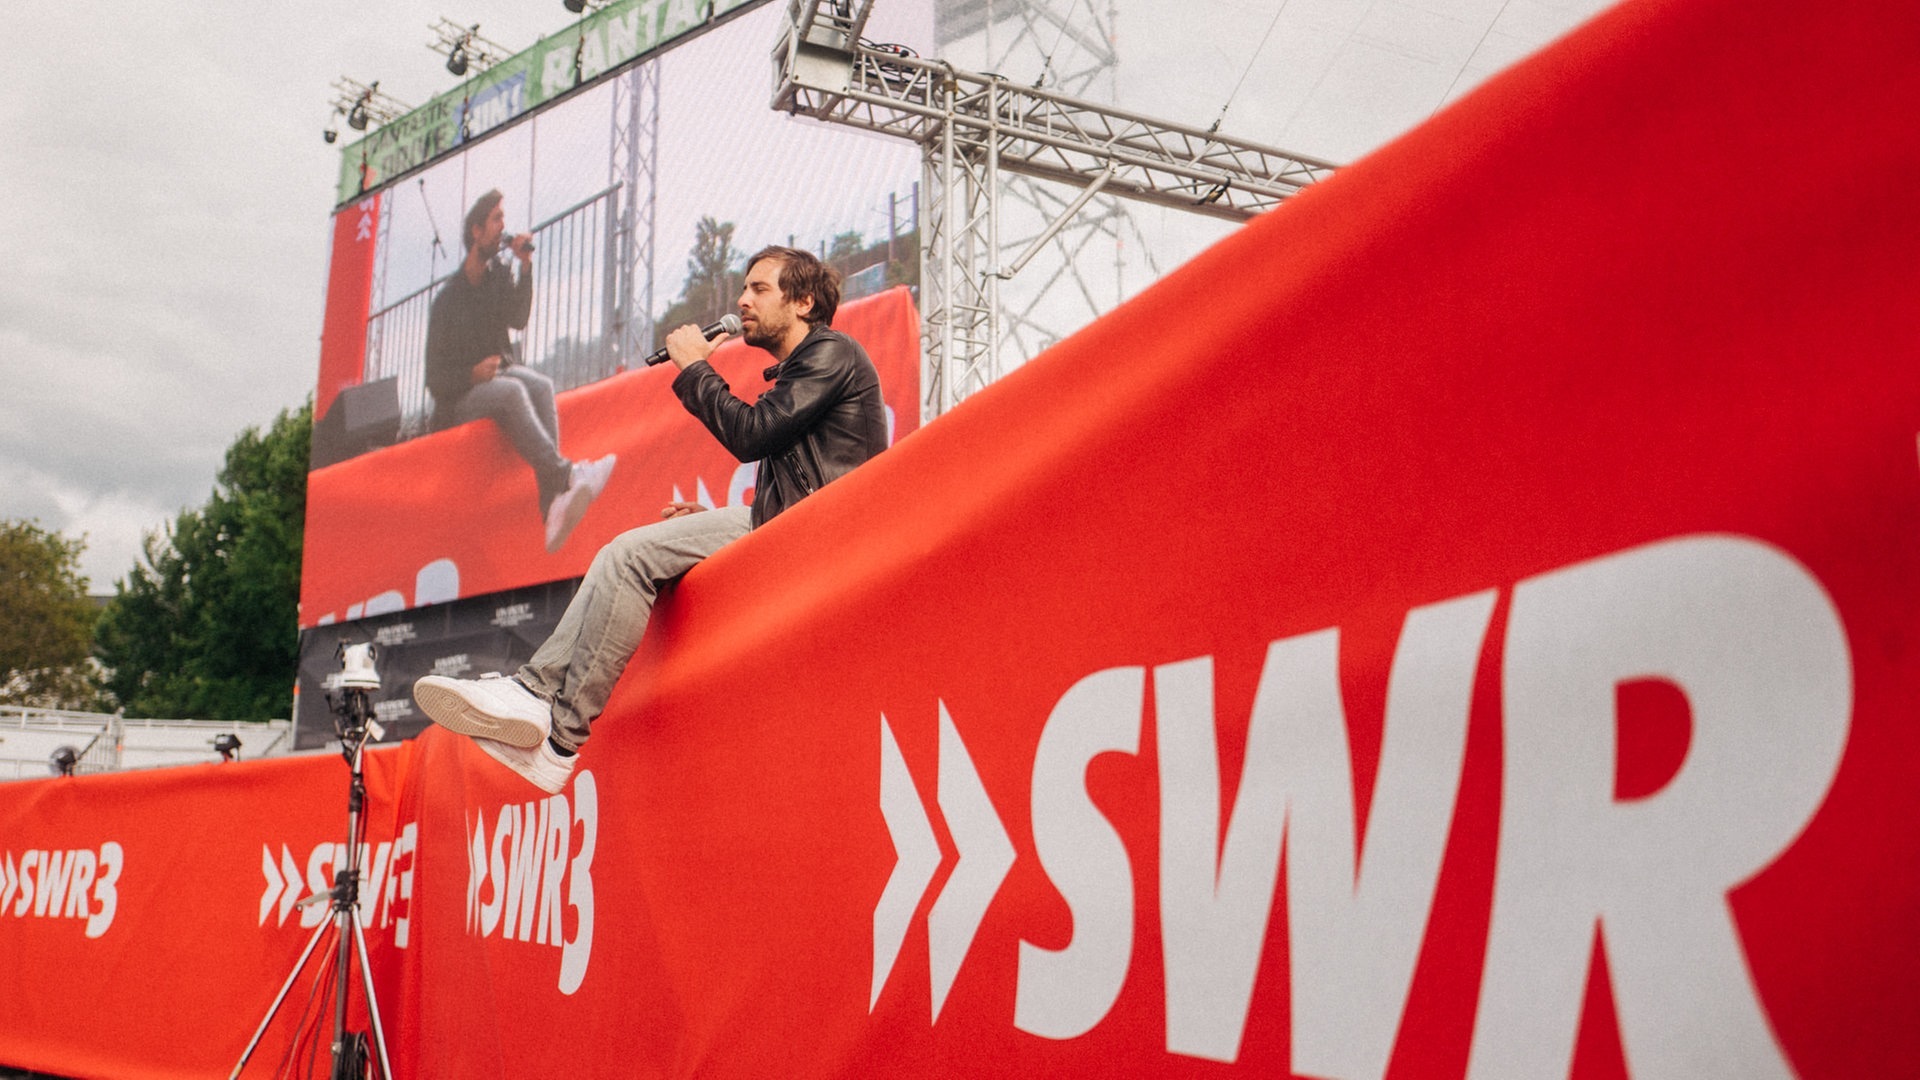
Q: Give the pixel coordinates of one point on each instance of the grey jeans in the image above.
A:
(579, 663)
(520, 400)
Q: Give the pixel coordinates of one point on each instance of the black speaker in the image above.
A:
(362, 418)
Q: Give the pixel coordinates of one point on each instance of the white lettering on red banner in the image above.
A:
(986, 855)
(1743, 630)
(523, 876)
(77, 884)
(386, 883)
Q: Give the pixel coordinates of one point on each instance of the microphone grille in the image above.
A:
(730, 323)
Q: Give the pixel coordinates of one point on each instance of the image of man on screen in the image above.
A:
(472, 375)
(822, 417)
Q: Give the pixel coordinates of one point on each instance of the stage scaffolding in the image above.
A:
(984, 139)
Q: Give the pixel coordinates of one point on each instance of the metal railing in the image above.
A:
(567, 336)
(104, 742)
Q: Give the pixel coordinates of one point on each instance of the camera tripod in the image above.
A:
(355, 724)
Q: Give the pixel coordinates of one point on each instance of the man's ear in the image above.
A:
(803, 307)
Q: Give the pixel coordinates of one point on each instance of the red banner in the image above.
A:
(343, 335)
(1460, 626)
(455, 514)
(147, 918)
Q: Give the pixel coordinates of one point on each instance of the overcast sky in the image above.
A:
(168, 193)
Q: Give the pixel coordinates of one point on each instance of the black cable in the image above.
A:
(301, 1025)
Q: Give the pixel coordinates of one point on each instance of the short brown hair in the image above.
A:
(802, 276)
(477, 217)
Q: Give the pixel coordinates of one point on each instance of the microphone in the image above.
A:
(728, 324)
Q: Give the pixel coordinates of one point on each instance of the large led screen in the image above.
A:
(643, 194)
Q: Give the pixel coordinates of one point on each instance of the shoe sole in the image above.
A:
(488, 747)
(451, 710)
(595, 490)
(576, 509)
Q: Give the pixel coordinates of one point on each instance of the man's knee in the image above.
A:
(497, 396)
(529, 378)
(635, 550)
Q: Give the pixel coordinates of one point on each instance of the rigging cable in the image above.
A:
(1215, 129)
(1476, 52)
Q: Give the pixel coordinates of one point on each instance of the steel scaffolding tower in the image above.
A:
(632, 165)
(1071, 44)
(972, 129)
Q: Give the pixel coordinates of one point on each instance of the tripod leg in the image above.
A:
(280, 999)
(373, 1003)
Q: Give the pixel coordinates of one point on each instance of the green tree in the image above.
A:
(846, 247)
(46, 620)
(713, 279)
(206, 625)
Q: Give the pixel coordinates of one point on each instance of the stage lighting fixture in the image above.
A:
(227, 746)
(63, 761)
(575, 6)
(330, 135)
(467, 52)
(363, 105)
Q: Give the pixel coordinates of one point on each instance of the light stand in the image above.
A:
(354, 722)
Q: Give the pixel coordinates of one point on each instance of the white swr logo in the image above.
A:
(63, 885)
(386, 882)
(1745, 632)
(515, 879)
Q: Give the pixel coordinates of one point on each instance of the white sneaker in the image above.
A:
(490, 707)
(593, 475)
(541, 765)
(567, 509)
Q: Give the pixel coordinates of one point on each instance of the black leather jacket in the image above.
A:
(822, 416)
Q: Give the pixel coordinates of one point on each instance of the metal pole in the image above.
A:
(373, 1003)
(346, 900)
(272, 1010)
(991, 372)
(951, 264)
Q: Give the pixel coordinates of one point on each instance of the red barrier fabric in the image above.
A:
(455, 514)
(1459, 626)
(148, 918)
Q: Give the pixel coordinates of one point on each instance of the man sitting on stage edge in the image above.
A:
(822, 417)
(472, 375)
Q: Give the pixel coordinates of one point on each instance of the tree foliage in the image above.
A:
(846, 246)
(46, 620)
(714, 278)
(206, 626)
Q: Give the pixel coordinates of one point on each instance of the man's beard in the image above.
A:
(759, 336)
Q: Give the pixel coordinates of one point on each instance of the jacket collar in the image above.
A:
(772, 374)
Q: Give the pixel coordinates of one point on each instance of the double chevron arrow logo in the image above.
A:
(985, 856)
(386, 882)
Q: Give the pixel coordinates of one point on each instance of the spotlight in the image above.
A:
(466, 51)
(363, 106)
(63, 761)
(575, 6)
(330, 135)
(227, 746)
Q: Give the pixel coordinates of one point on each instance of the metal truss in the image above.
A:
(975, 131)
(363, 104)
(464, 48)
(633, 165)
